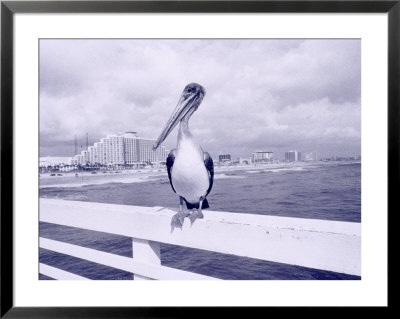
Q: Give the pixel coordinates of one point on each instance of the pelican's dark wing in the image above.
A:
(208, 162)
(170, 163)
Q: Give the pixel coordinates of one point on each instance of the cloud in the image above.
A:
(275, 94)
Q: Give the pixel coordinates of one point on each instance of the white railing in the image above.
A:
(320, 244)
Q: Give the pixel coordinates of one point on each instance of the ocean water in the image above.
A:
(330, 191)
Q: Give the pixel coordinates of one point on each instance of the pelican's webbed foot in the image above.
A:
(198, 214)
(177, 220)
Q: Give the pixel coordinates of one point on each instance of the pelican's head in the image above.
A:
(188, 103)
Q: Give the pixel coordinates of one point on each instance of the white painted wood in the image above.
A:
(321, 244)
(120, 262)
(58, 274)
(140, 277)
(145, 251)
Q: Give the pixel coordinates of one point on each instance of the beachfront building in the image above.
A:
(244, 161)
(224, 158)
(292, 156)
(50, 164)
(54, 161)
(146, 153)
(79, 159)
(262, 157)
(113, 150)
(126, 148)
(309, 157)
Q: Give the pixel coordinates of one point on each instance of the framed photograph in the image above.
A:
(164, 155)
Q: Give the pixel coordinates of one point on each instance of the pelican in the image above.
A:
(190, 169)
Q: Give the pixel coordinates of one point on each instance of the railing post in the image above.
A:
(145, 251)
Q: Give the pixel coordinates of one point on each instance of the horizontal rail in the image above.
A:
(321, 244)
(58, 274)
(120, 262)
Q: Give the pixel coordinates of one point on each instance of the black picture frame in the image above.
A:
(9, 8)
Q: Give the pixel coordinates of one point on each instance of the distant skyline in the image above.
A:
(273, 95)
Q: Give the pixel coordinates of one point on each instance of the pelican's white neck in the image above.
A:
(187, 145)
(184, 132)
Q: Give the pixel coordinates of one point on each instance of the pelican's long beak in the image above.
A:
(187, 104)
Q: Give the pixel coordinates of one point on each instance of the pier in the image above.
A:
(320, 244)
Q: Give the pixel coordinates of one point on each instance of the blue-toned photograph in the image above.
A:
(199, 159)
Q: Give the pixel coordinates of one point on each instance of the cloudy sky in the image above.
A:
(274, 95)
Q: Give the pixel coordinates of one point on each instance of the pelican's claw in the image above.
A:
(195, 215)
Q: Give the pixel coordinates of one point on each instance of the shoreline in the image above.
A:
(77, 179)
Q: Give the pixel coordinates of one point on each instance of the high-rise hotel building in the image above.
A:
(262, 157)
(292, 156)
(120, 149)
